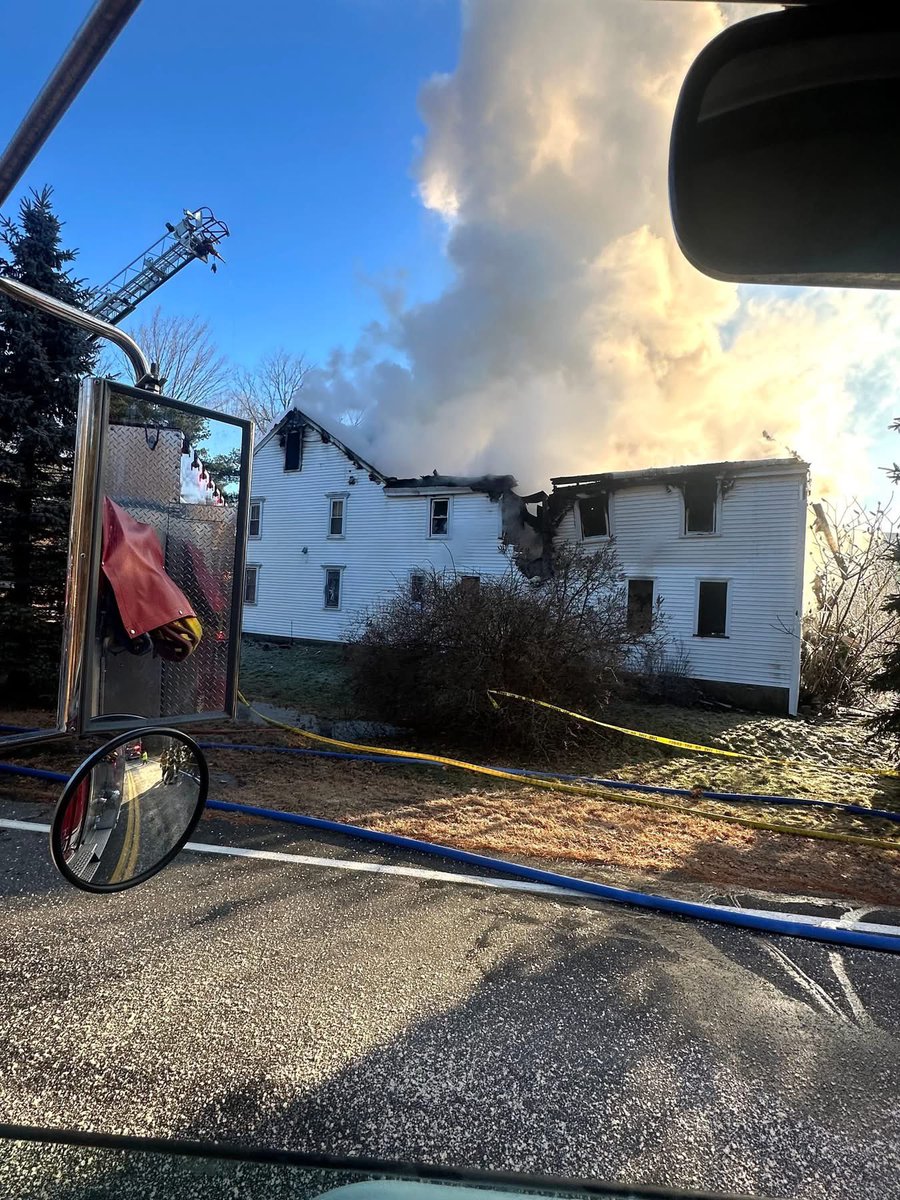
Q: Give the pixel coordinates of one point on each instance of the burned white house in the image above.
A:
(330, 534)
(718, 550)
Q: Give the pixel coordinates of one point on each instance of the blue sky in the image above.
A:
(295, 122)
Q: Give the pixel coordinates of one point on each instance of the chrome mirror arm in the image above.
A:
(146, 374)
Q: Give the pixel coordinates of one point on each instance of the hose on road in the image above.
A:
(757, 922)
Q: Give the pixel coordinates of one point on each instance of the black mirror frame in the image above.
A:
(84, 771)
(745, 35)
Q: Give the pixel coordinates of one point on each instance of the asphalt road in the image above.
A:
(289, 1005)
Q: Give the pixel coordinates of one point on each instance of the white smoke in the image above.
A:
(574, 336)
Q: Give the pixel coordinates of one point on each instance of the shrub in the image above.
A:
(427, 660)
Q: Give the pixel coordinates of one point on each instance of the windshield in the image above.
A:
(545, 664)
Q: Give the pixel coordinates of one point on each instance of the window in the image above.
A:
(417, 587)
(712, 608)
(701, 497)
(470, 585)
(639, 618)
(254, 529)
(594, 514)
(333, 587)
(251, 585)
(439, 522)
(336, 509)
(293, 448)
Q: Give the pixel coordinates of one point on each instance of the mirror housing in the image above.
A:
(129, 809)
(784, 164)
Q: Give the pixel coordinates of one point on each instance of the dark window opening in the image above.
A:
(292, 449)
(440, 518)
(639, 617)
(251, 585)
(255, 526)
(417, 588)
(332, 587)
(336, 521)
(712, 609)
(470, 585)
(594, 511)
(700, 499)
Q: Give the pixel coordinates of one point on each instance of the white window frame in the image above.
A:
(344, 498)
(255, 536)
(729, 599)
(431, 504)
(326, 567)
(704, 533)
(596, 538)
(247, 569)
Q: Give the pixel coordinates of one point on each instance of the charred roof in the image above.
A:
(612, 480)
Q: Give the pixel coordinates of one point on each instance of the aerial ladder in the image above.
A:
(197, 235)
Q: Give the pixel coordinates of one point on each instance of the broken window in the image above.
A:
(712, 608)
(254, 528)
(594, 513)
(639, 617)
(336, 517)
(333, 587)
(251, 585)
(417, 587)
(439, 522)
(470, 585)
(701, 497)
(293, 444)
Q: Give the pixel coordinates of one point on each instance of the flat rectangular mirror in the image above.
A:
(159, 519)
(785, 156)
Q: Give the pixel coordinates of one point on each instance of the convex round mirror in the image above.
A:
(129, 809)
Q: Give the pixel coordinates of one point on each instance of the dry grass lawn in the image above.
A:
(587, 833)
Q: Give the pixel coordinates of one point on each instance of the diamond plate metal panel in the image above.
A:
(142, 472)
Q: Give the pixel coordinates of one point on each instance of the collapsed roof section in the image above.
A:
(613, 480)
(292, 424)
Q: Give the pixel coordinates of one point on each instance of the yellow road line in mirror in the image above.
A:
(135, 808)
(120, 871)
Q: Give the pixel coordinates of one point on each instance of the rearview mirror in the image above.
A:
(129, 809)
(784, 163)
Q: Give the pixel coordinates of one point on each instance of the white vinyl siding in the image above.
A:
(758, 548)
(386, 540)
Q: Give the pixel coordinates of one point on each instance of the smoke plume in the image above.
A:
(574, 336)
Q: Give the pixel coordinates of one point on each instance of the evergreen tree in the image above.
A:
(41, 362)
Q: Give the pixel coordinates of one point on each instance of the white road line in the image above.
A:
(501, 884)
(857, 1007)
(347, 864)
(817, 994)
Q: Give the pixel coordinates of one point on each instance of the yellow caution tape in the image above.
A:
(877, 772)
(578, 789)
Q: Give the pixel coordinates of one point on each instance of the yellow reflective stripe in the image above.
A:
(877, 772)
(578, 789)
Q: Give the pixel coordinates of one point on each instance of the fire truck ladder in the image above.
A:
(196, 235)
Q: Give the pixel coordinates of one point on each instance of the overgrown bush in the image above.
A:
(663, 671)
(426, 661)
(849, 627)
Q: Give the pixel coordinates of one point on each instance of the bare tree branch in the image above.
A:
(188, 359)
(846, 631)
(264, 392)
